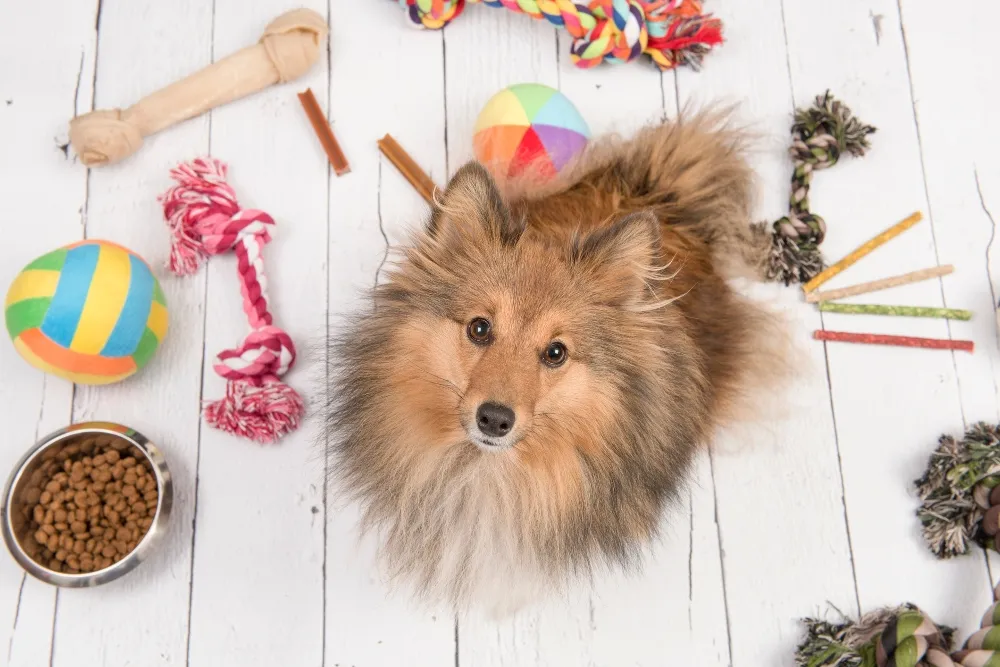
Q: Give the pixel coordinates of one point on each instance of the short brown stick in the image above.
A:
(420, 181)
(322, 129)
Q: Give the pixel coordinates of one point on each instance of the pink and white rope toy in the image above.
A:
(205, 219)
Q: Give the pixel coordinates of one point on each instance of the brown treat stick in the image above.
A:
(420, 181)
(324, 133)
(884, 283)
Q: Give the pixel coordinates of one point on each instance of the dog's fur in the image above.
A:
(624, 260)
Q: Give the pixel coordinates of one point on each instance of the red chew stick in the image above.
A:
(900, 341)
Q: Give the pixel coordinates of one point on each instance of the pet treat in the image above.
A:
(420, 181)
(876, 285)
(91, 312)
(89, 506)
(958, 490)
(672, 33)
(529, 125)
(862, 250)
(289, 47)
(899, 341)
(205, 219)
(820, 135)
(900, 311)
(324, 133)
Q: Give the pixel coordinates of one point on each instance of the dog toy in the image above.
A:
(323, 132)
(903, 636)
(959, 501)
(884, 283)
(410, 170)
(671, 32)
(205, 219)
(820, 135)
(529, 124)
(289, 47)
(898, 637)
(90, 312)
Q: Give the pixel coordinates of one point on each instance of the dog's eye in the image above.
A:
(480, 332)
(555, 354)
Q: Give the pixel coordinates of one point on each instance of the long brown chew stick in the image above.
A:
(324, 133)
(408, 168)
(876, 285)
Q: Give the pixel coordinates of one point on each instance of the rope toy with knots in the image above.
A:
(205, 219)
(960, 493)
(820, 135)
(671, 32)
(900, 637)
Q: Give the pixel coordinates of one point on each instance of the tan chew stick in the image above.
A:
(863, 250)
(324, 133)
(289, 46)
(876, 285)
(408, 168)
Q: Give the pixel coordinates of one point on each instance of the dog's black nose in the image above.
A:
(495, 419)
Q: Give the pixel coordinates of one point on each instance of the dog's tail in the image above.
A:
(691, 172)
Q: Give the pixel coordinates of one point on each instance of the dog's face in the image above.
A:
(507, 350)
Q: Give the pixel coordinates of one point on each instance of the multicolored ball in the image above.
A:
(529, 124)
(91, 312)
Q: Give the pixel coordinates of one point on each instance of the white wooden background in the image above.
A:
(258, 570)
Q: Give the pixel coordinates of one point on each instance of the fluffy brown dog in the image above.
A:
(525, 396)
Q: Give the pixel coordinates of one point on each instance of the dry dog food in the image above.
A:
(90, 505)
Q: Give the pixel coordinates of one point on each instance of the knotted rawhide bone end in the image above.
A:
(290, 45)
(958, 492)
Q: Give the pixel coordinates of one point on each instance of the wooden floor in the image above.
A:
(258, 570)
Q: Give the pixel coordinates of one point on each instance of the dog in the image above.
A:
(523, 399)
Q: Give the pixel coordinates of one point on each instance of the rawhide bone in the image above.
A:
(289, 46)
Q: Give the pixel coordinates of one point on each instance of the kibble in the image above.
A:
(90, 505)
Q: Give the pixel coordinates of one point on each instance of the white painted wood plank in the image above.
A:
(396, 89)
(258, 563)
(962, 174)
(36, 102)
(890, 404)
(951, 154)
(101, 626)
(778, 489)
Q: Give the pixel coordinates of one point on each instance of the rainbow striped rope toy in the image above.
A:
(671, 32)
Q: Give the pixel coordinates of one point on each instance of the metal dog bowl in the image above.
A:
(16, 508)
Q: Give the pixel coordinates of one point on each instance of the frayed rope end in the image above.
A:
(263, 413)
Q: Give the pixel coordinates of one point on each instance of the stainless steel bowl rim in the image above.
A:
(139, 553)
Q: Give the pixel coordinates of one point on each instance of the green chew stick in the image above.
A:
(901, 311)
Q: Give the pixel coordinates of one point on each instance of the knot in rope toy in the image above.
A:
(900, 637)
(959, 495)
(820, 135)
(670, 32)
(205, 219)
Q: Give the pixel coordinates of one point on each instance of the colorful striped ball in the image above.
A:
(529, 126)
(91, 312)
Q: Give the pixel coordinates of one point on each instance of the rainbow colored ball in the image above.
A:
(91, 312)
(529, 125)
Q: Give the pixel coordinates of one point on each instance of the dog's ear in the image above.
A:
(471, 205)
(619, 260)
